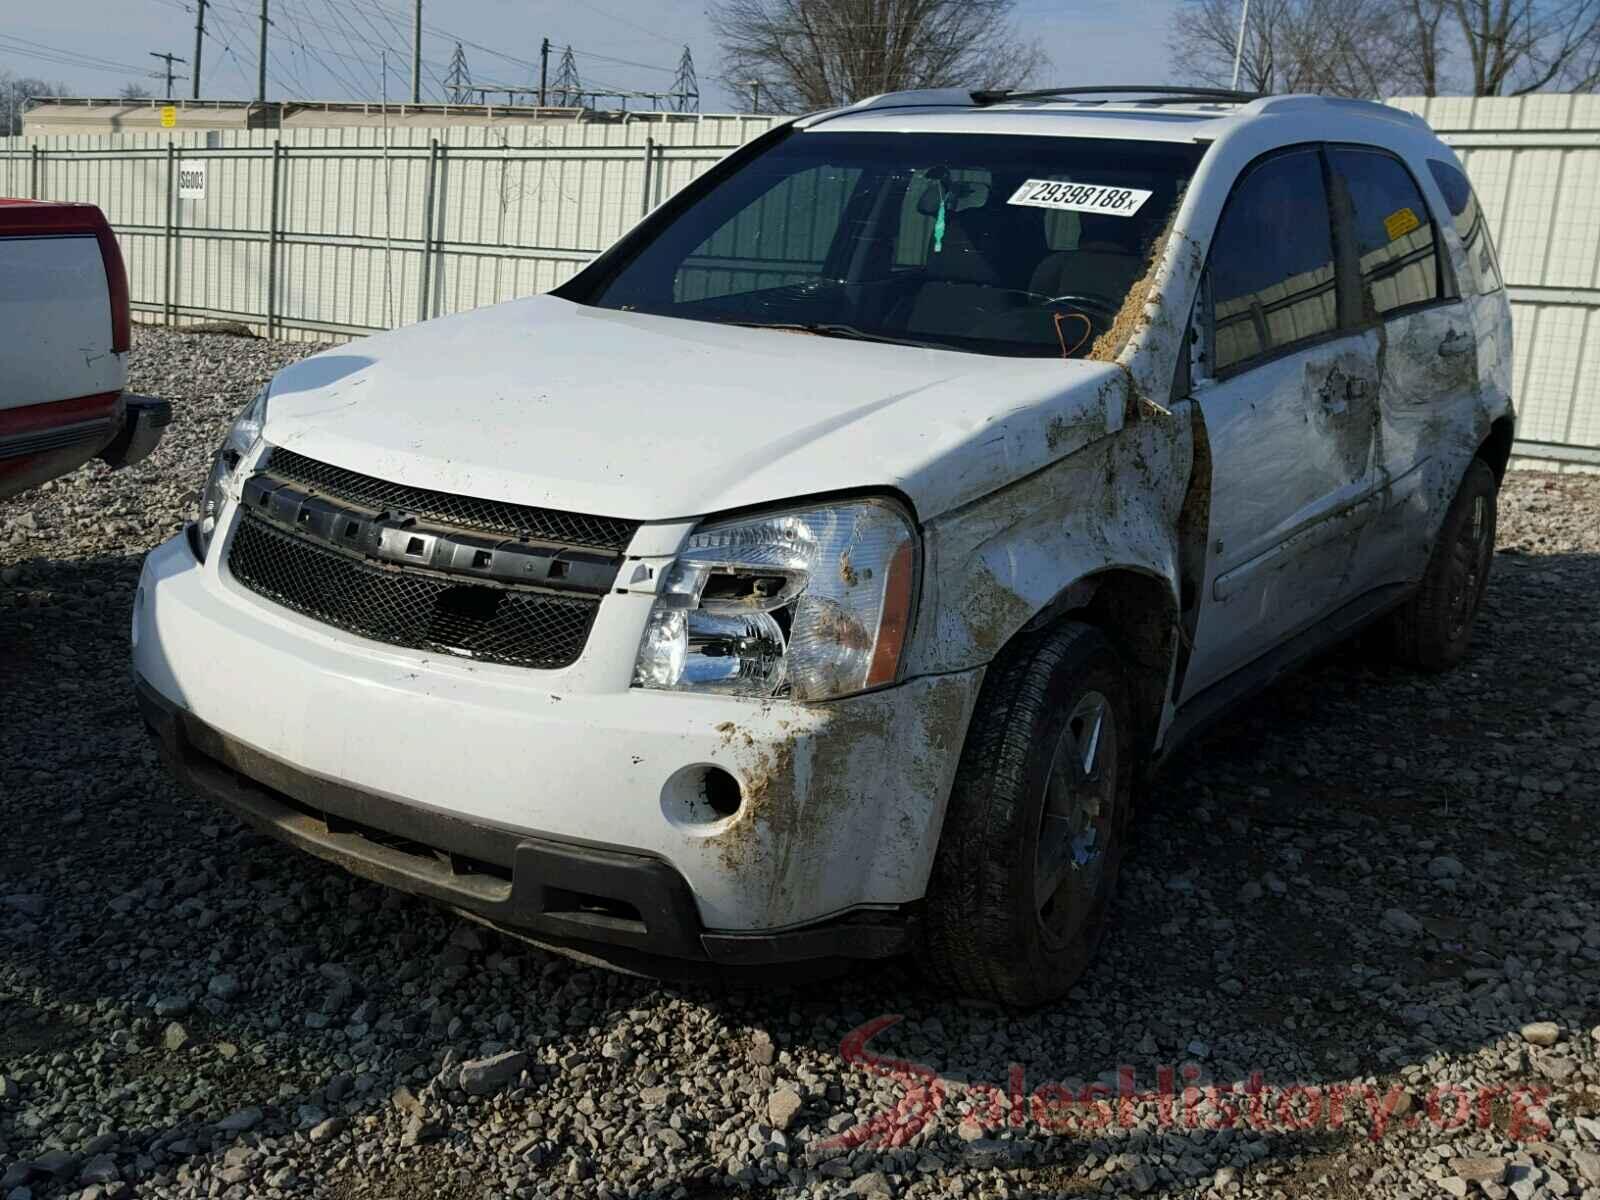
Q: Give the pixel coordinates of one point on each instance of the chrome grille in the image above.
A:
(493, 516)
(415, 609)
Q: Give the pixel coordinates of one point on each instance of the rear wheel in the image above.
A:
(1034, 833)
(1434, 628)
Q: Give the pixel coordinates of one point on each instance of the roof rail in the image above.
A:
(1151, 95)
(1370, 108)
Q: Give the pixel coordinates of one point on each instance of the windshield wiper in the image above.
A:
(833, 329)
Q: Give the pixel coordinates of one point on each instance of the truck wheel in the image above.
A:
(1034, 832)
(1432, 629)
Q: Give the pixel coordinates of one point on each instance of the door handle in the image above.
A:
(1455, 344)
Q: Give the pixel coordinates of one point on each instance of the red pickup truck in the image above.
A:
(65, 331)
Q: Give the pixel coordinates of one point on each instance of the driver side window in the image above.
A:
(1273, 282)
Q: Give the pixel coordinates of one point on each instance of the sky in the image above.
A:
(333, 49)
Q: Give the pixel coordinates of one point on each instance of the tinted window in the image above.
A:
(1470, 225)
(1272, 272)
(995, 243)
(1393, 230)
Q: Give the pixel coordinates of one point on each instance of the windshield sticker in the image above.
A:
(1080, 197)
(1398, 224)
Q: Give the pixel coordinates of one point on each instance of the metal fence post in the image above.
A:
(177, 242)
(430, 186)
(167, 265)
(644, 192)
(33, 170)
(278, 154)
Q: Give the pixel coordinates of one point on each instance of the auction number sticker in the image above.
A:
(1080, 197)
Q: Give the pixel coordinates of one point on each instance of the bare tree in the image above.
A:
(807, 54)
(1369, 49)
(15, 91)
(134, 91)
(1519, 46)
(1337, 47)
(1424, 63)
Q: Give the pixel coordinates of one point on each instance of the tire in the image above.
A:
(1020, 789)
(1433, 629)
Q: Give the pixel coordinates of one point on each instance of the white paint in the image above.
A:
(1029, 476)
(1067, 196)
(56, 316)
(191, 179)
(685, 417)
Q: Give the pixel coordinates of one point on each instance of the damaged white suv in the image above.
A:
(814, 574)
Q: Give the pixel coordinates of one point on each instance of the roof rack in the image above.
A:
(1151, 95)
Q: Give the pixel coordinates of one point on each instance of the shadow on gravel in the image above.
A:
(1362, 870)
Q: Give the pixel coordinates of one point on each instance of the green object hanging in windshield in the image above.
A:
(938, 225)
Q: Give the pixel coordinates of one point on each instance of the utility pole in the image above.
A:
(199, 39)
(1238, 54)
(261, 66)
(755, 92)
(169, 59)
(416, 56)
(544, 68)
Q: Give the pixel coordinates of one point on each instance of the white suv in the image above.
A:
(814, 575)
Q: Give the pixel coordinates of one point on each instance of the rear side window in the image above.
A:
(1272, 266)
(1393, 230)
(1470, 225)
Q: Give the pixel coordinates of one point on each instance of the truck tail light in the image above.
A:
(117, 286)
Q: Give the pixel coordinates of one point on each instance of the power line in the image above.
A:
(65, 58)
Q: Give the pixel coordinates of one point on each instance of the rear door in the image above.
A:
(1427, 355)
(1287, 384)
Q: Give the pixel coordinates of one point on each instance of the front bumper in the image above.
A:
(555, 803)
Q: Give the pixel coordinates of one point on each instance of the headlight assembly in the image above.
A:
(237, 448)
(809, 603)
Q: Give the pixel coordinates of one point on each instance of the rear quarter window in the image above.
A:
(1471, 227)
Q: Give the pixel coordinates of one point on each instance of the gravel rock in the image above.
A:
(242, 1121)
(782, 1108)
(355, 1015)
(485, 1075)
(1541, 1033)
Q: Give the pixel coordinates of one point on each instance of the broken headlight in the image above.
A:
(237, 448)
(809, 603)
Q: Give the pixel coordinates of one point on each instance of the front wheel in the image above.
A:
(1033, 836)
(1432, 630)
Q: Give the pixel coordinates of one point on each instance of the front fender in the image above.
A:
(995, 563)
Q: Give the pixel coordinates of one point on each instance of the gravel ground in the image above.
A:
(1376, 886)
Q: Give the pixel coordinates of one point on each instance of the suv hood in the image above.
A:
(545, 402)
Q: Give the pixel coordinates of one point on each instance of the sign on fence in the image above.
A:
(169, 115)
(192, 179)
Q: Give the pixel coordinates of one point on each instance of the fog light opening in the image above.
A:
(722, 792)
